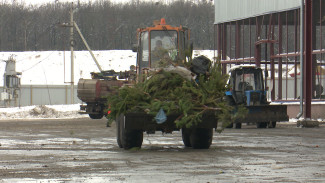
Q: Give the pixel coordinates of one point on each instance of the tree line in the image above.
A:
(104, 24)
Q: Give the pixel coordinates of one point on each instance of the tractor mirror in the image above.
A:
(189, 46)
(132, 67)
(134, 47)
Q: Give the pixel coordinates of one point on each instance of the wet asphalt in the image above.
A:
(84, 150)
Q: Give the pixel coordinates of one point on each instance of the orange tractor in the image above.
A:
(153, 44)
(156, 45)
(159, 41)
(93, 92)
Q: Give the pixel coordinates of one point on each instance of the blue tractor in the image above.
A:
(247, 88)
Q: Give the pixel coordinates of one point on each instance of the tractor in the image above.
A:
(246, 87)
(153, 44)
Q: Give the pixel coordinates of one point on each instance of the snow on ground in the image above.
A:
(42, 112)
(54, 67)
(57, 112)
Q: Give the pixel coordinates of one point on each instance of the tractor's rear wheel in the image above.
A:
(129, 138)
(272, 124)
(201, 138)
(96, 116)
(118, 131)
(261, 124)
(186, 133)
(238, 126)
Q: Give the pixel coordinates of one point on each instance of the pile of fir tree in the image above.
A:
(172, 90)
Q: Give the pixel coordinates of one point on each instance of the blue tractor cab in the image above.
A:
(246, 86)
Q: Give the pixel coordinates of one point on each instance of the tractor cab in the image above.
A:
(246, 86)
(159, 42)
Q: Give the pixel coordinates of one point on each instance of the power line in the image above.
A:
(38, 62)
(47, 86)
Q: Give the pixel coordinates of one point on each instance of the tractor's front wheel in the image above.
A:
(186, 133)
(128, 138)
(201, 138)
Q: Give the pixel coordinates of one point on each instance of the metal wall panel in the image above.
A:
(231, 10)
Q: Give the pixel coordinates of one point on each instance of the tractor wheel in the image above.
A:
(201, 138)
(96, 116)
(238, 126)
(186, 133)
(261, 124)
(129, 138)
(118, 131)
(272, 124)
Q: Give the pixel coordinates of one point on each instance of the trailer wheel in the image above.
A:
(186, 133)
(96, 116)
(201, 138)
(238, 126)
(261, 124)
(118, 131)
(272, 124)
(129, 138)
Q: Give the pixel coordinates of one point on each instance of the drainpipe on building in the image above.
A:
(302, 32)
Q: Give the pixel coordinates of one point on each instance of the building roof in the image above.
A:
(232, 10)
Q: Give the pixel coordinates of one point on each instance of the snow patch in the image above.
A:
(42, 112)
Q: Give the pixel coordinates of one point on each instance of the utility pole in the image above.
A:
(72, 43)
(72, 24)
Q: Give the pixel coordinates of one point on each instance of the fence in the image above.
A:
(60, 94)
(43, 95)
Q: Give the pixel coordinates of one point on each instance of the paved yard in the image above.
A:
(84, 150)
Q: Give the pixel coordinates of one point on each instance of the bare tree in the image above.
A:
(104, 24)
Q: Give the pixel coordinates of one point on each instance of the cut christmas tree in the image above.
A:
(188, 90)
